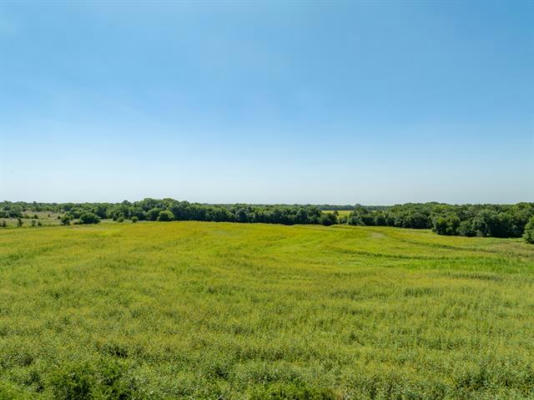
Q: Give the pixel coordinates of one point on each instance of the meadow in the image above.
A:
(44, 218)
(341, 213)
(207, 310)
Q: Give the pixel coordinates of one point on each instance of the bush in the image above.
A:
(328, 219)
(466, 228)
(529, 231)
(65, 219)
(153, 214)
(89, 218)
(135, 219)
(292, 391)
(107, 379)
(73, 382)
(446, 225)
(120, 219)
(165, 215)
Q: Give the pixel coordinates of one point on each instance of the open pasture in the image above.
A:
(231, 311)
(341, 213)
(45, 218)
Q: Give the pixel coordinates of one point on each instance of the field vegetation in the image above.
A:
(493, 220)
(206, 310)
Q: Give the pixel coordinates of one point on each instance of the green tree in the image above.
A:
(466, 228)
(529, 231)
(241, 215)
(165, 215)
(446, 224)
(89, 218)
(328, 219)
(153, 214)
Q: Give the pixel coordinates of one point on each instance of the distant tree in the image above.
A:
(489, 222)
(135, 219)
(301, 216)
(3, 224)
(446, 224)
(14, 212)
(34, 222)
(138, 212)
(466, 228)
(380, 219)
(529, 231)
(101, 210)
(153, 214)
(120, 219)
(165, 215)
(355, 219)
(19, 222)
(241, 215)
(65, 219)
(328, 219)
(89, 218)
(343, 219)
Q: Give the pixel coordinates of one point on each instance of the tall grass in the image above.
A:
(219, 310)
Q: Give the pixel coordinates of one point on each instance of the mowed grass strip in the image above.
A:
(232, 311)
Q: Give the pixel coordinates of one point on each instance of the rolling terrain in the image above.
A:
(224, 310)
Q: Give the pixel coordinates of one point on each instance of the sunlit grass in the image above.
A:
(220, 310)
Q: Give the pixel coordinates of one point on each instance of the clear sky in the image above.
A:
(267, 102)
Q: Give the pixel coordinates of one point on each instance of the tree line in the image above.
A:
(445, 219)
(493, 220)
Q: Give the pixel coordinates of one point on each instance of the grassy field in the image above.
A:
(231, 311)
(341, 213)
(46, 218)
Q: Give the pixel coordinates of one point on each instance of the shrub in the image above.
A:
(135, 219)
(89, 218)
(328, 219)
(19, 222)
(73, 382)
(107, 379)
(446, 224)
(65, 219)
(292, 391)
(120, 219)
(153, 214)
(165, 215)
(529, 231)
(466, 228)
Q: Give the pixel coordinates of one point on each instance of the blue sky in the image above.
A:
(267, 102)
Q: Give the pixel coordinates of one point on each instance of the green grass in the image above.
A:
(46, 218)
(231, 311)
(341, 213)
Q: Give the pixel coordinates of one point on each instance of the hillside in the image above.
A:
(223, 310)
